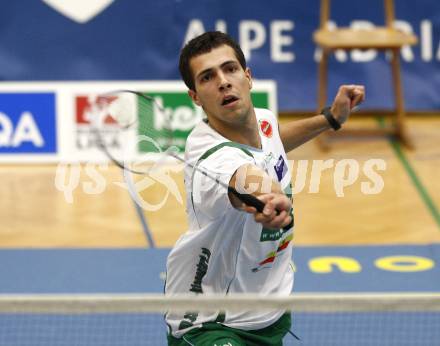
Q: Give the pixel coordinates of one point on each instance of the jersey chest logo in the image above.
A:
(280, 168)
(266, 128)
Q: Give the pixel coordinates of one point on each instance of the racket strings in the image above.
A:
(140, 124)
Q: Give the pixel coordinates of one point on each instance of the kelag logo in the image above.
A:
(27, 123)
(182, 113)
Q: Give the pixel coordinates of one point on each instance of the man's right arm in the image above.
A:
(253, 180)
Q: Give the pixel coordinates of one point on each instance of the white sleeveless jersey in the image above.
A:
(224, 250)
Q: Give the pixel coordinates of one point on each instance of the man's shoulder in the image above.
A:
(264, 113)
(202, 133)
(201, 139)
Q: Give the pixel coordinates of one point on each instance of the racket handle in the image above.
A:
(248, 199)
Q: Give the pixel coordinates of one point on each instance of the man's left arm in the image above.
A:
(298, 132)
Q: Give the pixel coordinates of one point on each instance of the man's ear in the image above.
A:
(248, 74)
(194, 97)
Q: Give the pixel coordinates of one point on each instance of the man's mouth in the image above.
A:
(229, 99)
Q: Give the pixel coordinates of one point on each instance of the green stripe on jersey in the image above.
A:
(211, 151)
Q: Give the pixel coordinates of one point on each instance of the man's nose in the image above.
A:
(223, 82)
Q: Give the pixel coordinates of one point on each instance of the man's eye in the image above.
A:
(232, 68)
(206, 78)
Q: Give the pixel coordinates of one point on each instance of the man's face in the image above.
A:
(222, 86)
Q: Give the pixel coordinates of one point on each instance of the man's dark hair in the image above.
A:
(204, 44)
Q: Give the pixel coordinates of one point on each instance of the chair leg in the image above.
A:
(322, 139)
(400, 119)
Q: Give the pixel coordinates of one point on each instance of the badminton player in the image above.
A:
(229, 247)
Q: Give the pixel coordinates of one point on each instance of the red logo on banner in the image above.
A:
(266, 128)
(84, 108)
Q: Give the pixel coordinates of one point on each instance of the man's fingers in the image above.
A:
(276, 202)
(248, 209)
(278, 220)
(356, 100)
(356, 93)
(348, 97)
(269, 208)
(275, 213)
(265, 219)
(274, 220)
(287, 221)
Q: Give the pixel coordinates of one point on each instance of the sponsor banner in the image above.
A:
(139, 40)
(27, 123)
(56, 126)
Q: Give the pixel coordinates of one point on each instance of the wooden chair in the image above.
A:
(381, 38)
